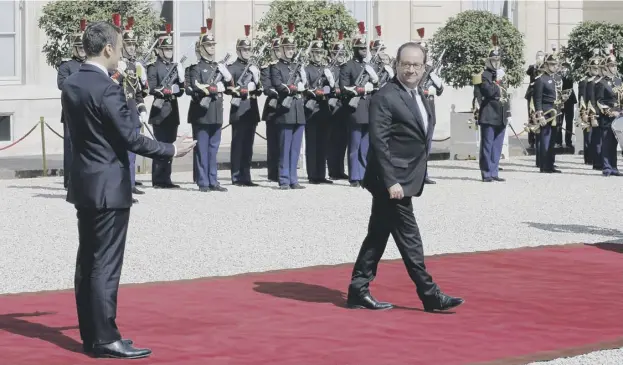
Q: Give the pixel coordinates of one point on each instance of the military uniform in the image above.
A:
(583, 111)
(66, 68)
(608, 95)
(595, 136)
(268, 115)
(244, 114)
(164, 114)
(430, 91)
(290, 119)
(569, 100)
(338, 125)
(545, 97)
(532, 72)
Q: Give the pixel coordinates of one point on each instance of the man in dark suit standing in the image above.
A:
(400, 121)
(102, 132)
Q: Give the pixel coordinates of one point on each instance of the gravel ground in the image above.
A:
(188, 234)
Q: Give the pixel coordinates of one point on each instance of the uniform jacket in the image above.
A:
(336, 92)
(316, 83)
(349, 72)
(101, 133)
(544, 93)
(268, 112)
(398, 142)
(607, 97)
(492, 110)
(135, 90)
(247, 111)
(169, 114)
(280, 75)
(202, 73)
(65, 69)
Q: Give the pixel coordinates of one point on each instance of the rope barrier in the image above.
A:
(21, 139)
(53, 131)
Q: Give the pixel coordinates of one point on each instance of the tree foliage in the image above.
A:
(587, 36)
(307, 16)
(466, 39)
(61, 19)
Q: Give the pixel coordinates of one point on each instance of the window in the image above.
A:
(505, 8)
(10, 12)
(5, 128)
(191, 19)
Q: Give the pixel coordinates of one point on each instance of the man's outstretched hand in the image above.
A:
(395, 192)
(183, 146)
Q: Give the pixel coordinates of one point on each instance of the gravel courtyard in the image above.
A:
(182, 234)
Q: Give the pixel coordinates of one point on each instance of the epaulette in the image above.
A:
(597, 79)
(537, 77)
(477, 79)
(583, 79)
(590, 79)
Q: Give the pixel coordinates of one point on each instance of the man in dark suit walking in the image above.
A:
(400, 121)
(102, 132)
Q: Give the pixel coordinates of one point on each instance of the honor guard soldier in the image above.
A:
(432, 87)
(382, 65)
(494, 114)
(164, 114)
(593, 110)
(270, 108)
(132, 77)
(569, 100)
(545, 98)
(66, 68)
(317, 115)
(608, 94)
(207, 80)
(533, 71)
(288, 77)
(357, 80)
(338, 130)
(244, 114)
(189, 91)
(586, 102)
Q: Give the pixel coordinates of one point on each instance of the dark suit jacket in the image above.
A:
(102, 132)
(398, 141)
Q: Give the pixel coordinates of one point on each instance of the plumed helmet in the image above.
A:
(207, 37)
(128, 34)
(76, 38)
(338, 45)
(246, 41)
(378, 43)
(165, 39)
(276, 42)
(288, 39)
(317, 44)
(610, 59)
(359, 41)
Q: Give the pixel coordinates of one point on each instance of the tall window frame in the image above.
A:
(16, 35)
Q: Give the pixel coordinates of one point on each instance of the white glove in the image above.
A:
(144, 118)
(251, 86)
(180, 70)
(255, 73)
(432, 90)
(220, 87)
(389, 70)
(499, 74)
(509, 120)
(368, 87)
(326, 90)
(122, 66)
(140, 71)
(373, 76)
(175, 89)
(329, 75)
(300, 86)
(303, 76)
(222, 68)
(436, 80)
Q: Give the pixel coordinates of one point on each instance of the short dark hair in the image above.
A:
(97, 36)
(411, 45)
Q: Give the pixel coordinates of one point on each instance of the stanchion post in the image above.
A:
(45, 162)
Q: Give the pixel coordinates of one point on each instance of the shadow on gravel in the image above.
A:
(14, 323)
(36, 187)
(608, 246)
(50, 196)
(576, 228)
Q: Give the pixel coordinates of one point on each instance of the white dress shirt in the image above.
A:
(420, 104)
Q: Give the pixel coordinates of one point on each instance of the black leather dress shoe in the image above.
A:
(297, 186)
(556, 171)
(441, 302)
(367, 301)
(498, 179)
(429, 181)
(284, 187)
(218, 188)
(137, 192)
(166, 186)
(355, 184)
(320, 181)
(487, 179)
(88, 347)
(138, 183)
(338, 177)
(250, 184)
(120, 350)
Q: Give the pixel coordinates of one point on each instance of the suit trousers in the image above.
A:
(241, 156)
(395, 217)
(132, 158)
(208, 137)
(338, 143)
(161, 169)
(102, 236)
(491, 143)
(316, 140)
(358, 145)
(67, 155)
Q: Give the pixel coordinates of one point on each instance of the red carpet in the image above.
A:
(521, 305)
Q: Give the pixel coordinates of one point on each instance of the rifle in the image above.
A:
(333, 101)
(425, 81)
(169, 79)
(362, 79)
(246, 76)
(311, 103)
(143, 59)
(295, 76)
(214, 78)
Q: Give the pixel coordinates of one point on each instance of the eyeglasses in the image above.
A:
(407, 66)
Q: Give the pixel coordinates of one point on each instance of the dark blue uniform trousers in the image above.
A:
(272, 150)
(132, 157)
(546, 148)
(338, 143)
(608, 151)
(290, 139)
(208, 141)
(359, 141)
(161, 169)
(588, 153)
(316, 135)
(242, 139)
(67, 158)
(596, 141)
(491, 142)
